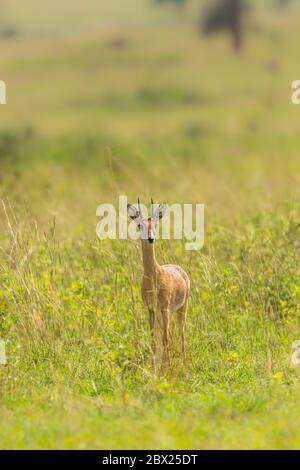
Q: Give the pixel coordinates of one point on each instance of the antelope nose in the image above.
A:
(150, 239)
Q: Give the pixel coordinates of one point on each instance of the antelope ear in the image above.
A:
(133, 213)
(160, 211)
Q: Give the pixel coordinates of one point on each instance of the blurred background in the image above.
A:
(135, 93)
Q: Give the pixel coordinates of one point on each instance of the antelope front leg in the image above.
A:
(166, 337)
(153, 340)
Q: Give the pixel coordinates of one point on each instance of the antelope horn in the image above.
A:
(139, 206)
(152, 204)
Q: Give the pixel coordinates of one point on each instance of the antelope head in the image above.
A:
(147, 225)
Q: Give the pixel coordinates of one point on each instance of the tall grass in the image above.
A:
(77, 336)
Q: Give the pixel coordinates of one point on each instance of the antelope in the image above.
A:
(164, 287)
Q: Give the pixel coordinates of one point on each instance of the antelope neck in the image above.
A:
(151, 266)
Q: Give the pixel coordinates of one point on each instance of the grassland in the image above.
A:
(180, 118)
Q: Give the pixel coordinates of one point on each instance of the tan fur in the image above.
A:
(164, 288)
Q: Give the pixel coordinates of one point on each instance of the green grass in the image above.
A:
(179, 118)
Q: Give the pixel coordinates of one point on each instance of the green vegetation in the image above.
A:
(180, 118)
